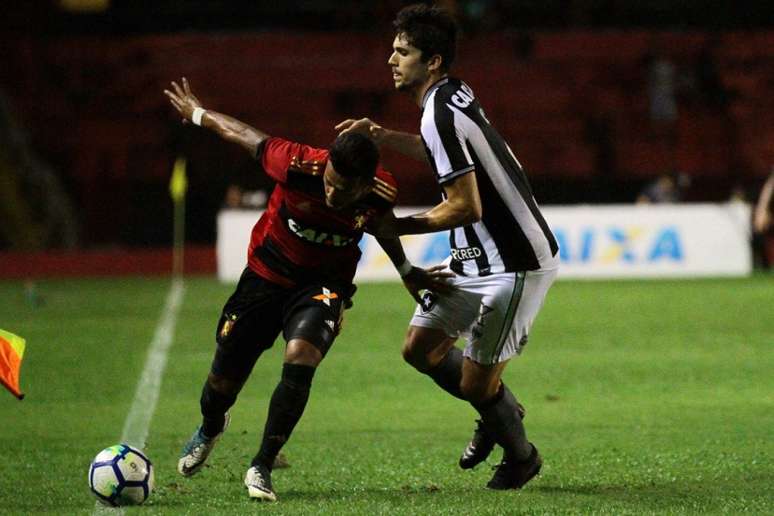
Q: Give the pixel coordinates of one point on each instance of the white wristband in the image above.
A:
(196, 116)
(405, 268)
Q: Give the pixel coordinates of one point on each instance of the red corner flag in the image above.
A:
(11, 353)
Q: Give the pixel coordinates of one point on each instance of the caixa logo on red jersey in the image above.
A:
(317, 236)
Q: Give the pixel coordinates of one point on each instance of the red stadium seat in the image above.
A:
(643, 158)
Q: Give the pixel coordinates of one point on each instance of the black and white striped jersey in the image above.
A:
(512, 234)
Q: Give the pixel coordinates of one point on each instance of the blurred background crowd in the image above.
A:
(603, 101)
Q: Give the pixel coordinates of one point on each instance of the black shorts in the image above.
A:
(259, 310)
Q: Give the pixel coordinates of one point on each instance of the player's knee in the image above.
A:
(302, 352)
(410, 357)
(224, 385)
(424, 349)
(413, 354)
(474, 391)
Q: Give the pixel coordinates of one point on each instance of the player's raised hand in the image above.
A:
(364, 126)
(183, 99)
(435, 279)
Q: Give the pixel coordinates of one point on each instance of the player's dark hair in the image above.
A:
(430, 29)
(354, 155)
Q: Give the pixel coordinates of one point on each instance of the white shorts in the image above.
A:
(493, 313)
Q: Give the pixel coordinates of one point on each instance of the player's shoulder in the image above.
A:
(307, 160)
(302, 166)
(383, 176)
(450, 89)
(385, 189)
(447, 96)
(449, 85)
(311, 167)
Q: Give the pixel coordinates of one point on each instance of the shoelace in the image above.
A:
(198, 449)
(258, 480)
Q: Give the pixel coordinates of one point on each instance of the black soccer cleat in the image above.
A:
(481, 444)
(478, 449)
(514, 475)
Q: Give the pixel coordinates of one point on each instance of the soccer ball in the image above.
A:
(121, 475)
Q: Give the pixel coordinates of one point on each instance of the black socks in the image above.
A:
(214, 406)
(499, 414)
(502, 421)
(286, 407)
(448, 372)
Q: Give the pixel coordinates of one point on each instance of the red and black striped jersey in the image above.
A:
(300, 239)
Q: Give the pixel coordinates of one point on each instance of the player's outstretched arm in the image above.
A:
(415, 279)
(406, 143)
(228, 128)
(461, 207)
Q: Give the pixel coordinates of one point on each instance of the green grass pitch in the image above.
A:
(643, 397)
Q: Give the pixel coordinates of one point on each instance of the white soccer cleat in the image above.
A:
(258, 482)
(197, 449)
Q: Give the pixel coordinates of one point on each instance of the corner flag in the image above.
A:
(178, 184)
(11, 353)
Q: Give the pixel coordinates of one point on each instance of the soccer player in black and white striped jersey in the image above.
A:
(503, 254)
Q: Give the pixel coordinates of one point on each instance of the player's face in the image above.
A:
(341, 191)
(408, 70)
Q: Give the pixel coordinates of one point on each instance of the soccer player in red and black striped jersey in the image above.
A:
(300, 265)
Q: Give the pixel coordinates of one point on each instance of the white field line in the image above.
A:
(147, 394)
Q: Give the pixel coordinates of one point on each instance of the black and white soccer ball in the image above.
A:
(121, 475)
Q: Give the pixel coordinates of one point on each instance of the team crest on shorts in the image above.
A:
(428, 301)
(227, 325)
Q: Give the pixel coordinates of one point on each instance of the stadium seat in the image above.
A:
(642, 158)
